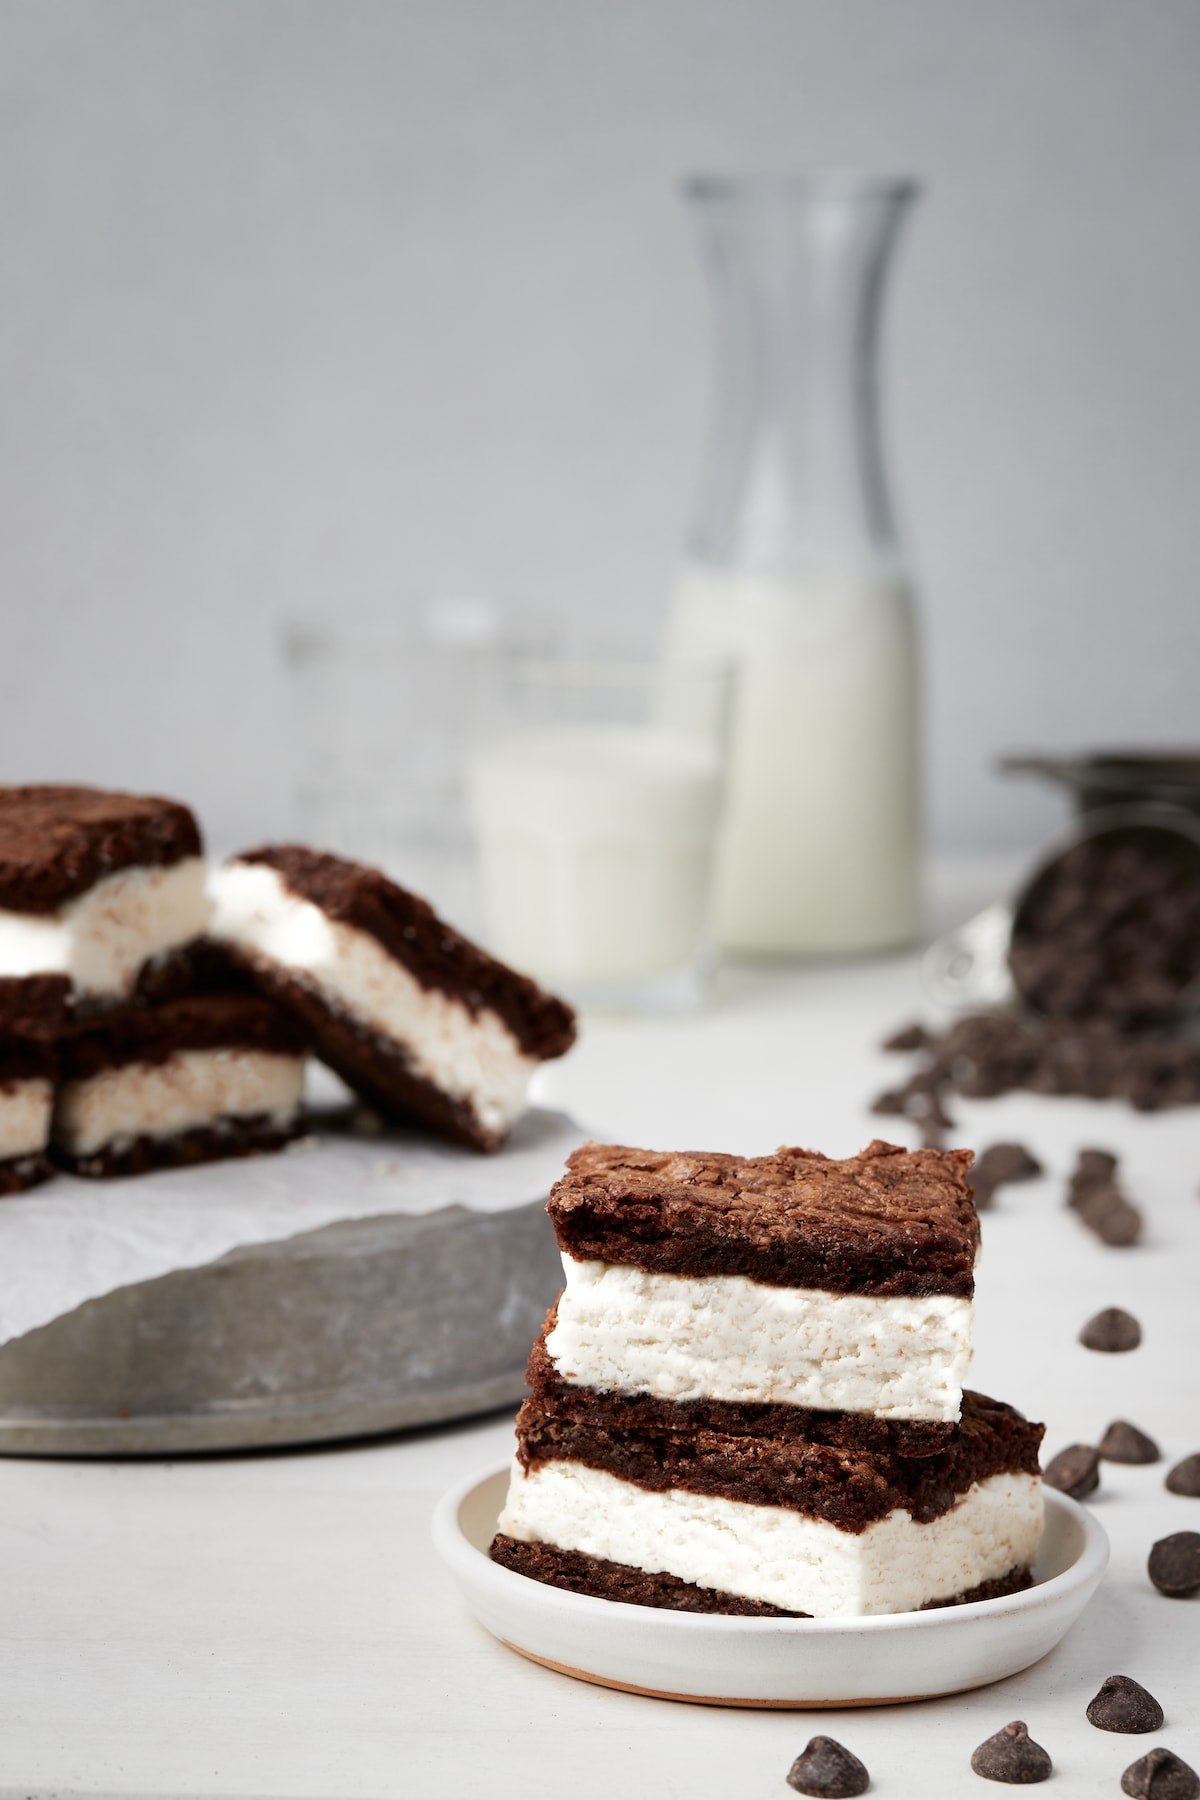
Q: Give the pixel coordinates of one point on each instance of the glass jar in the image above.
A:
(794, 571)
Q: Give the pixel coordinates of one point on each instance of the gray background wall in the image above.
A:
(311, 306)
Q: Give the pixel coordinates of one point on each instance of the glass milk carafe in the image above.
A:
(794, 571)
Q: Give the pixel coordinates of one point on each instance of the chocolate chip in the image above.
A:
(892, 1102)
(1074, 1471)
(827, 1767)
(1124, 1705)
(1184, 1478)
(1124, 1443)
(1012, 1756)
(1005, 1162)
(1111, 1330)
(1094, 1165)
(1160, 1776)
(1174, 1564)
(909, 1037)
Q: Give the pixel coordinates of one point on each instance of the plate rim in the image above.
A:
(459, 1554)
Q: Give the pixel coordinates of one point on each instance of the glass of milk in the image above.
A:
(595, 822)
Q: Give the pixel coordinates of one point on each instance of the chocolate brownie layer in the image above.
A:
(592, 1575)
(434, 954)
(25, 1060)
(20, 1173)
(848, 1488)
(56, 842)
(568, 1401)
(376, 1068)
(889, 1221)
(35, 1006)
(205, 1143)
(153, 1034)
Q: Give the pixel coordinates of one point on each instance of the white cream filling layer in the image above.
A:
(24, 1116)
(725, 1337)
(192, 1088)
(102, 938)
(471, 1056)
(768, 1553)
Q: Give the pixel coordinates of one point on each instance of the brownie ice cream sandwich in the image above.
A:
(26, 1099)
(419, 1021)
(790, 1278)
(749, 1397)
(94, 887)
(193, 1080)
(794, 1523)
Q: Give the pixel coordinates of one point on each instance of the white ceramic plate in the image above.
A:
(771, 1662)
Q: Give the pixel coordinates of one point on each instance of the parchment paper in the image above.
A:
(73, 1240)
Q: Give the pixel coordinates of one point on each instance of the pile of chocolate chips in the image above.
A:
(1106, 943)
(985, 1054)
(1111, 931)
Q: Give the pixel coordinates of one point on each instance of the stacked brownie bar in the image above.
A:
(418, 1020)
(121, 1048)
(145, 1022)
(749, 1395)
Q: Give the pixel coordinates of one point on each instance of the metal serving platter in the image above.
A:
(366, 1325)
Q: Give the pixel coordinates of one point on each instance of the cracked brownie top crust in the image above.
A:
(888, 1221)
(56, 842)
(411, 932)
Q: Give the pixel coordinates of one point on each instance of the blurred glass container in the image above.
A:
(795, 570)
(596, 823)
(384, 720)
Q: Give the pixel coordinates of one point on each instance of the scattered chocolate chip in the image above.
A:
(827, 1767)
(1012, 1756)
(1184, 1478)
(909, 1037)
(1124, 1705)
(891, 1103)
(1112, 1331)
(1124, 1443)
(1094, 1165)
(997, 1165)
(1100, 1203)
(1160, 1776)
(1074, 1471)
(1174, 1564)
(1007, 1162)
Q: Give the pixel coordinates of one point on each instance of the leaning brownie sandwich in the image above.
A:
(26, 1098)
(193, 1080)
(415, 1018)
(95, 887)
(749, 1397)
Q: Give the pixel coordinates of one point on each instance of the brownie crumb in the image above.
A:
(1124, 1705)
(1074, 1471)
(1184, 1478)
(825, 1767)
(1161, 1776)
(1111, 1331)
(1124, 1443)
(1174, 1565)
(1012, 1757)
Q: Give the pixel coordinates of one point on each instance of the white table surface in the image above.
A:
(279, 1625)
